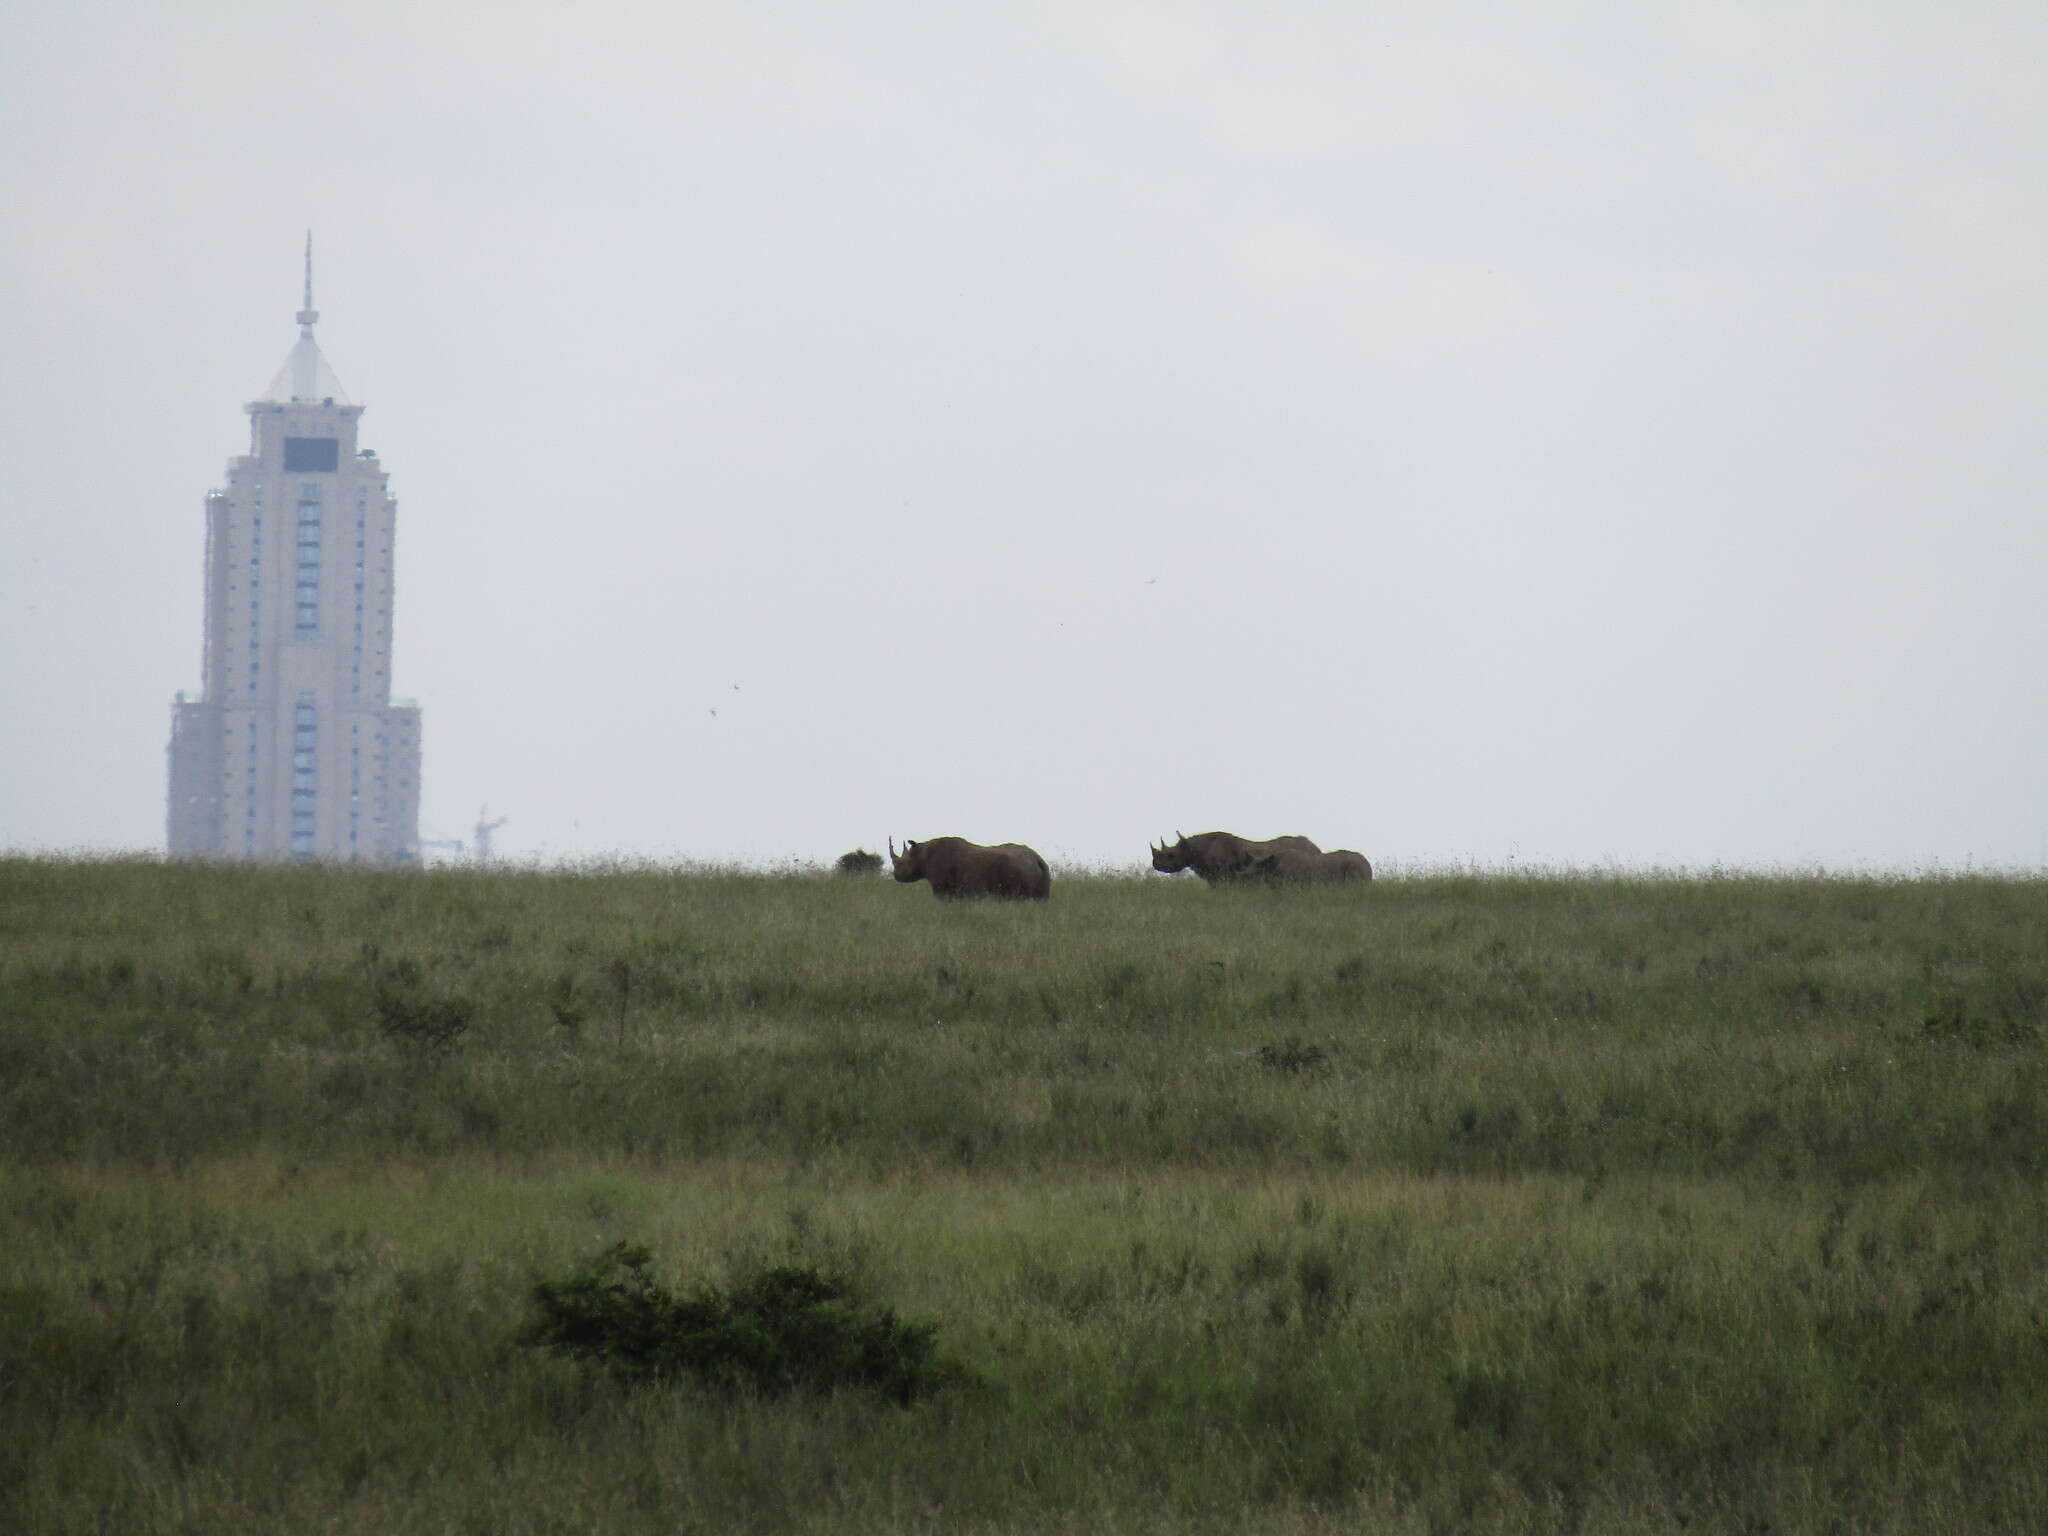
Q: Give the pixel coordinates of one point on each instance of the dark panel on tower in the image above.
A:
(311, 455)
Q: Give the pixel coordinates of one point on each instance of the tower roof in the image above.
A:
(305, 374)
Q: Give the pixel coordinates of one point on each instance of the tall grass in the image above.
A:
(1448, 1204)
(1847, 1028)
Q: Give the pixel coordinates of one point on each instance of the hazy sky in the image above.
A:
(1582, 434)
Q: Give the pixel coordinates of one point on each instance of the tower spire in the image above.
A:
(308, 315)
(306, 375)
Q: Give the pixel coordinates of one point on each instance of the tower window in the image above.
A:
(305, 798)
(308, 593)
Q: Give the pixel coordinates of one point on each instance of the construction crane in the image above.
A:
(481, 840)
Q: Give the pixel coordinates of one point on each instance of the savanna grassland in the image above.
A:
(1444, 1204)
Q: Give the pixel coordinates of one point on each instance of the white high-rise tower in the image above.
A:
(294, 748)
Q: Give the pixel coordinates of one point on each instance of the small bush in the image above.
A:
(775, 1330)
(436, 1024)
(1955, 1027)
(1292, 1056)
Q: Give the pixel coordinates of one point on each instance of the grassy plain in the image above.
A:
(1448, 1204)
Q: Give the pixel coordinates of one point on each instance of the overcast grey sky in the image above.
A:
(1578, 434)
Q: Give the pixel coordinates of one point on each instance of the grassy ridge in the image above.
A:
(1450, 1204)
(1850, 1028)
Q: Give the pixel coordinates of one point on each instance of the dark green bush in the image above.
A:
(435, 1024)
(1292, 1056)
(775, 1329)
(1952, 1026)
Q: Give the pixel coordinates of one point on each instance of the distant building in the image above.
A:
(294, 748)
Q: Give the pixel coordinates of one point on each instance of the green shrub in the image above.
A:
(1955, 1027)
(775, 1329)
(435, 1024)
(1292, 1056)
